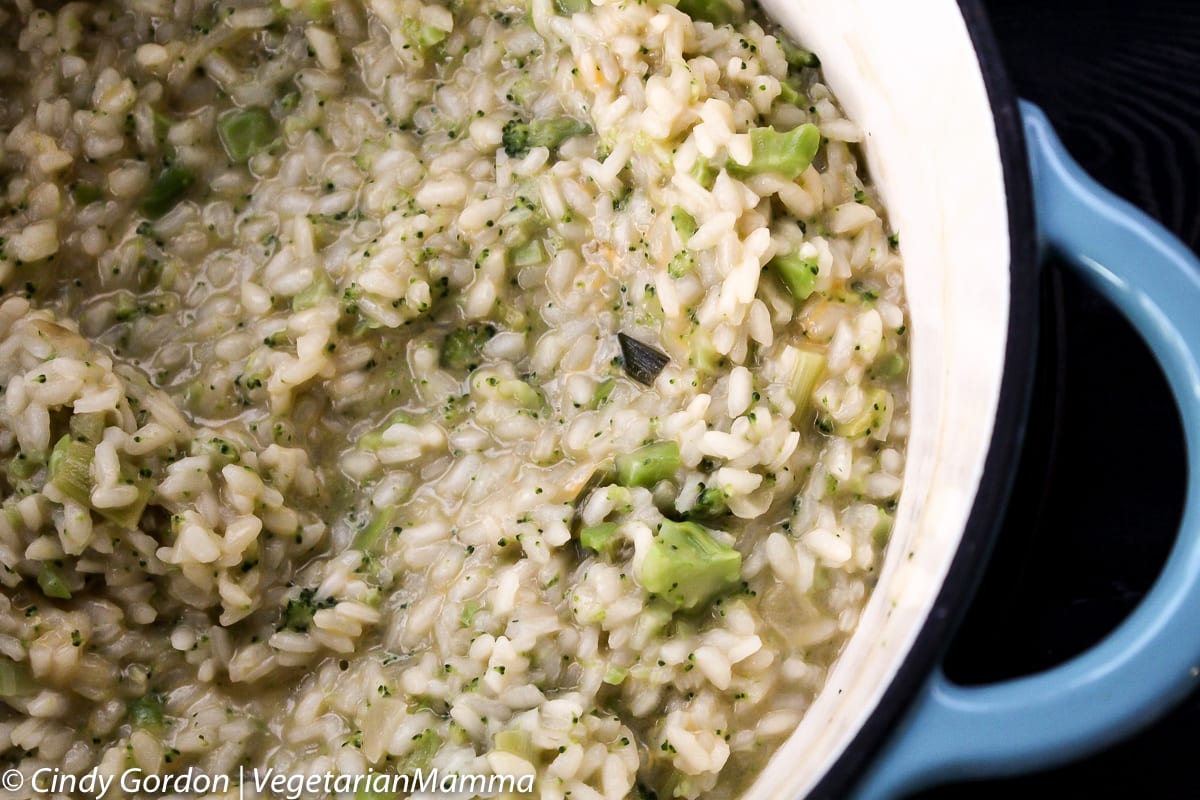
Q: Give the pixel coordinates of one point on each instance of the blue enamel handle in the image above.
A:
(1153, 659)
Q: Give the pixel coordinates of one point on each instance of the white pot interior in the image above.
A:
(908, 74)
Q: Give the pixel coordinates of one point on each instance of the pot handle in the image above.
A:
(1152, 659)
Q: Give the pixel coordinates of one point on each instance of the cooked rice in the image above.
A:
(255, 515)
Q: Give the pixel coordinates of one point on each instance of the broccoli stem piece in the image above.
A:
(797, 274)
(70, 469)
(647, 465)
(366, 539)
(167, 190)
(875, 413)
(685, 223)
(704, 172)
(687, 567)
(520, 137)
(517, 742)
(528, 254)
(603, 390)
(246, 132)
(51, 583)
(889, 366)
(428, 742)
(797, 56)
(783, 153)
(805, 366)
(718, 12)
(601, 538)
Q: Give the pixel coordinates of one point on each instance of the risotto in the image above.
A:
(491, 387)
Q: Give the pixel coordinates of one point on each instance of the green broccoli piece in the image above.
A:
(647, 465)
(246, 132)
(798, 274)
(167, 190)
(520, 137)
(52, 584)
(710, 504)
(687, 567)
(797, 56)
(601, 538)
(300, 610)
(718, 12)
(147, 712)
(463, 348)
(788, 153)
(569, 7)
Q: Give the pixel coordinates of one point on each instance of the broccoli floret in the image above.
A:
(520, 137)
(710, 504)
(463, 348)
(299, 612)
(687, 567)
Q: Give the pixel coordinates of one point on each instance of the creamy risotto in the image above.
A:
(501, 388)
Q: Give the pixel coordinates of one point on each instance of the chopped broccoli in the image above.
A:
(569, 7)
(167, 190)
(147, 712)
(889, 366)
(52, 584)
(463, 348)
(520, 137)
(804, 367)
(648, 465)
(876, 412)
(704, 172)
(527, 254)
(718, 12)
(601, 538)
(603, 390)
(797, 56)
(246, 132)
(86, 193)
(366, 539)
(687, 567)
(300, 610)
(798, 274)
(70, 470)
(518, 742)
(685, 223)
(784, 153)
(710, 504)
(428, 742)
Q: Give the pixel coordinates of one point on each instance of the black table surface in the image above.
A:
(1100, 488)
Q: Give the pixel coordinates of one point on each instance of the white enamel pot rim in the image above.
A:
(944, 145)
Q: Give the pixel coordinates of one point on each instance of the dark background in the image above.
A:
(1100, 487)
